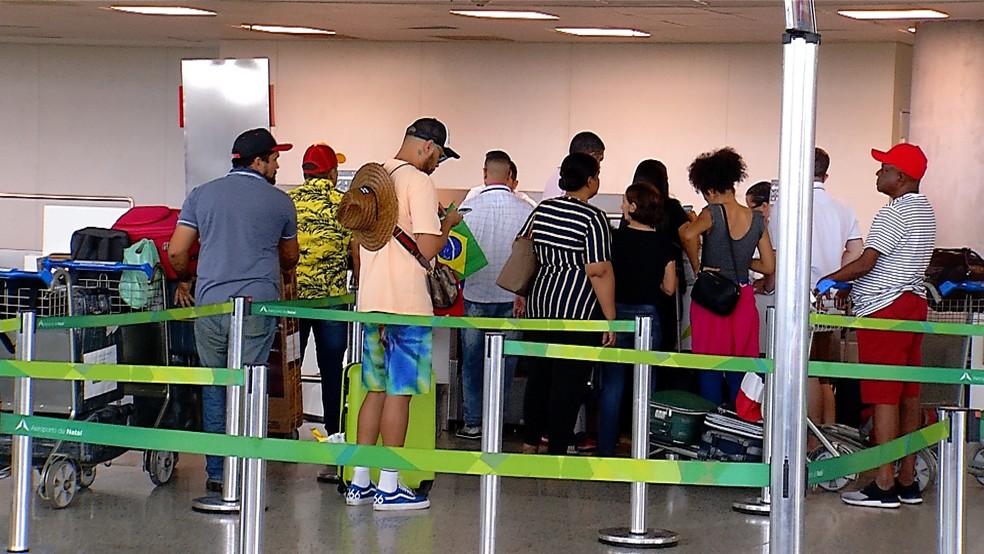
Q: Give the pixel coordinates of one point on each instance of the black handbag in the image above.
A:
(714, 291)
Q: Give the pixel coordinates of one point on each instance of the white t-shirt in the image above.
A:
(834, 224)
(552, 187)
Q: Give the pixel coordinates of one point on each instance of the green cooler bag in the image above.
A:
(676, 417)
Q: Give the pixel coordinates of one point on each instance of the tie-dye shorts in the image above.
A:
(398, 360)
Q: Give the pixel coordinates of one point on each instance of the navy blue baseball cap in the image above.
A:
(257, 142)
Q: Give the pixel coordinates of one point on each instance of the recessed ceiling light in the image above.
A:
(503, 14)
(911, 30)
(593, 32)
(283, 29)
(161, 10)
(893, 14)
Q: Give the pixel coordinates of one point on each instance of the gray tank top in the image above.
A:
(716, 252)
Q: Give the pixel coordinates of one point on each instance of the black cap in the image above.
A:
(256, 142)
(429, 128)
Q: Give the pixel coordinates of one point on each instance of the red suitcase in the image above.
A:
(156, 223)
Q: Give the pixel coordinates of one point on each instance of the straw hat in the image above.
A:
(369, 208)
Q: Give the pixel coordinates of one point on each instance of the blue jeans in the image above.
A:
(613, 377)
(211, 339)
(473, 360)
(330, 341)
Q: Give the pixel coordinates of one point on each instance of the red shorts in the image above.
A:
(892, 348)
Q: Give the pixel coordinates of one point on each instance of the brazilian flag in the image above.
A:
(462, 252)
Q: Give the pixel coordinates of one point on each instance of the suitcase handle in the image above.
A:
(21, 274)
(115, 267)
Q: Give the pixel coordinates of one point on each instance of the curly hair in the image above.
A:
(717, 171)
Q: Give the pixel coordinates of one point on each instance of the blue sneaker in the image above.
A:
(401, 499)
(360, 496)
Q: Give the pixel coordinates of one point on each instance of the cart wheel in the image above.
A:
(160, 466)
(821, 453)
(86, 478)
(60, 483)
(926, 469)
(978, 463)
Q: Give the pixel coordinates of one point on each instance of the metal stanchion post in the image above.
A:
(254, 469)
(638, 535)
(953, 475)
(491, 436)
(21, 460)
(229, 501)
(761, 505)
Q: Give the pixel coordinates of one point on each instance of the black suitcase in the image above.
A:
(728, 438)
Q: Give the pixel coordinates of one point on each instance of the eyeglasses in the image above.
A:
(443, 156)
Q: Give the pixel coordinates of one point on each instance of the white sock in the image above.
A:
(360, 477)
(388, 480)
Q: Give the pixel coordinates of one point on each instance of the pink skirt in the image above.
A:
(736, 334)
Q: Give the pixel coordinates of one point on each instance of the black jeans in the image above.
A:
(555, 390)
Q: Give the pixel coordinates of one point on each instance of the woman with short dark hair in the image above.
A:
(726, 234)
(574, 280)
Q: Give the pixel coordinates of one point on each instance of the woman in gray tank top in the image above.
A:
(728, 234)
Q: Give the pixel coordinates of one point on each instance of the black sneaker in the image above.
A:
(872, 497)
(908, 494)
(213, 485)
(469, 432)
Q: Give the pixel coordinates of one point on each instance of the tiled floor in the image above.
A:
(124, 512)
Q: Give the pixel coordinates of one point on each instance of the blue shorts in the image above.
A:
(399, 362)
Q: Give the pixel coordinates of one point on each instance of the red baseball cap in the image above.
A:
(909, 158)
(321, 158)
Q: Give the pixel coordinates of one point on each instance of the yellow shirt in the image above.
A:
(324, 243)
(391, 279)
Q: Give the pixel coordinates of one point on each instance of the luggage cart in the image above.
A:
(86, 288)
(954, 303)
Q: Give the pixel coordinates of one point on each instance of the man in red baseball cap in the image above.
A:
(325, 247)
(888, 284)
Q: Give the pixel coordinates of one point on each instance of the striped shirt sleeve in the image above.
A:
(887, 230)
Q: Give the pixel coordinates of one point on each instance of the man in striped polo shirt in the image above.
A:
(888, 284)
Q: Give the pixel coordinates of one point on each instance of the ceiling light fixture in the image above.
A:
(911, 30)
(893, 14)
(594, 32)
(284, 29)
(161, 10)
(504, 14)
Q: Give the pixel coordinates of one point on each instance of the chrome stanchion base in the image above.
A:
(215, 505)
(752, 506)
(651, 538)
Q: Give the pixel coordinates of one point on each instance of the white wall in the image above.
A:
(670, 102)
(104, 120)
(88, 120)
(948, 123)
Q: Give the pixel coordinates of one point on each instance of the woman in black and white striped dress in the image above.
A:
(572, 243)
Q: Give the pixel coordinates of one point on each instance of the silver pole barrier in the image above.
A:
(637, 535)
(788, 463)
(761, 505)
(229, 501)
(254, 472)
(21, 459)
(953, 474)
(493, 383)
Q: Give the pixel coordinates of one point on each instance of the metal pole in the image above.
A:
(21, 460)
(229, 501)
(491, 436)
(355, 343)
(953, 474)
(788, 463)
(254, 472)
(637, 534)
(761, 505)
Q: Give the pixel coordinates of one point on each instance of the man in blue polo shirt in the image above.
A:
(248, 231)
